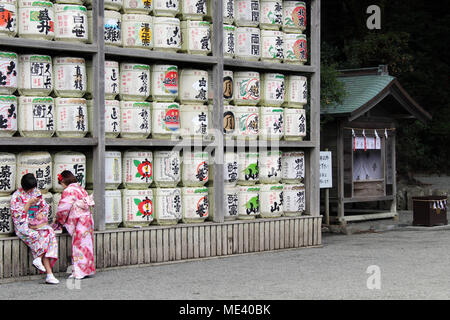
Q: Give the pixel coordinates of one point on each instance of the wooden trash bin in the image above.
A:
(429, 211)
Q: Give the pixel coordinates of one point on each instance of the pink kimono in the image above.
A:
(41, 240)
(74, 214)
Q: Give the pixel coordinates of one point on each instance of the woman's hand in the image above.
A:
(31, 202)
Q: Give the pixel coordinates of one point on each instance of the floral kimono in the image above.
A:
(74, 214)
(41, 240)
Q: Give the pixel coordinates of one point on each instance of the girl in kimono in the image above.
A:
(74, 214)
(29, 213)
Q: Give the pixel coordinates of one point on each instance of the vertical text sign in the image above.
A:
(325, 170)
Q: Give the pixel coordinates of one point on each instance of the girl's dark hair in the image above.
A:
(28, 182)
(67, 178)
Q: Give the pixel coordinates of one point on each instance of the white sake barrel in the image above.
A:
(71, 23)
(137, 208)
(196, 37)
(71, 117)
(8, 72)
(113, 209)
(293, 200)
(193, 9)
(48, 197)
(296, 91)
(246, 13)
(165, 120)
(137, 169)
(295, 124)
(166, 166)
(167, 34)
(75, 162)
(271, 14)
(113, 169)
(36, 19)
(111, 79)
(137, 31)
(248, 45)
(248, 168)
(137, 6)
(194, 121)
(295, 48)
(8, 116)
(229, 122)
(164, 82)
(195, 204)
(195, 169)
(230, 168)
(166, 8)
(167, 205)
(228, 11)
(70, 80)
(36, 117)
(230, 203)
(8, 170)
(248, 202)
(293, 167)
(247, 122)
(272, 46)
(246, 88)
(229, 41)
(56, 198)
(270, 167)
(272, 89)
(294, 16)
(134, 81)
(8, 27)
(6, 222)
(112, 118)
(112, 28)
(227, 86)
(38, 163)
(271, 123)
(114, 4)
(135, 119)
(271, 200)
(35, 75)
(193, 86)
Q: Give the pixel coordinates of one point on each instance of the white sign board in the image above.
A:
(326, 180)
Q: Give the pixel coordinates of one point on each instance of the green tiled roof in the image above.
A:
(360, 90)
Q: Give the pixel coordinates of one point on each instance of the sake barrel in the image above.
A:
(270, 167)
(295, 124)
(36, 118)
(167, 34)
(113, 169)
(271, 123)
(56, 198)
(70, 78)
(248, 168)
(230, 168)
(296, 91)
(71, 23)
(229, 40)
(248, 202)
(135, 119)
(246, 88)
(194, 121)
(196, 37)
(195, 204)
(8, 72)
(272, 46)
(112, 28)
(167, 205)
(166, 166)
(75, 162)
(294, 16)
(247, 122)
(293, 200)
(248, 45)
(271, 14)
(8, 170)
(295, 48)
(272, 89)
(195, 169)
(111, 79)
(112, 118)
(36, 19)
(35, 75)
(229, 122)
(293, 167)
(114, 4)
(6, 222)
(38, 163)
(137, 169)
(193, 9)
(8, 116)
(48, 197)
(134, 81)
(227, 86)
(193, 86)
(137, 31)
(271, 200)
(113, 209)
(230, 203)
(246, 13)
(71, 117)
(8, 26)
(166, 8)
(164, 82)
(165, 120)
(228, 11)
(137, 6)
(137, 208)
